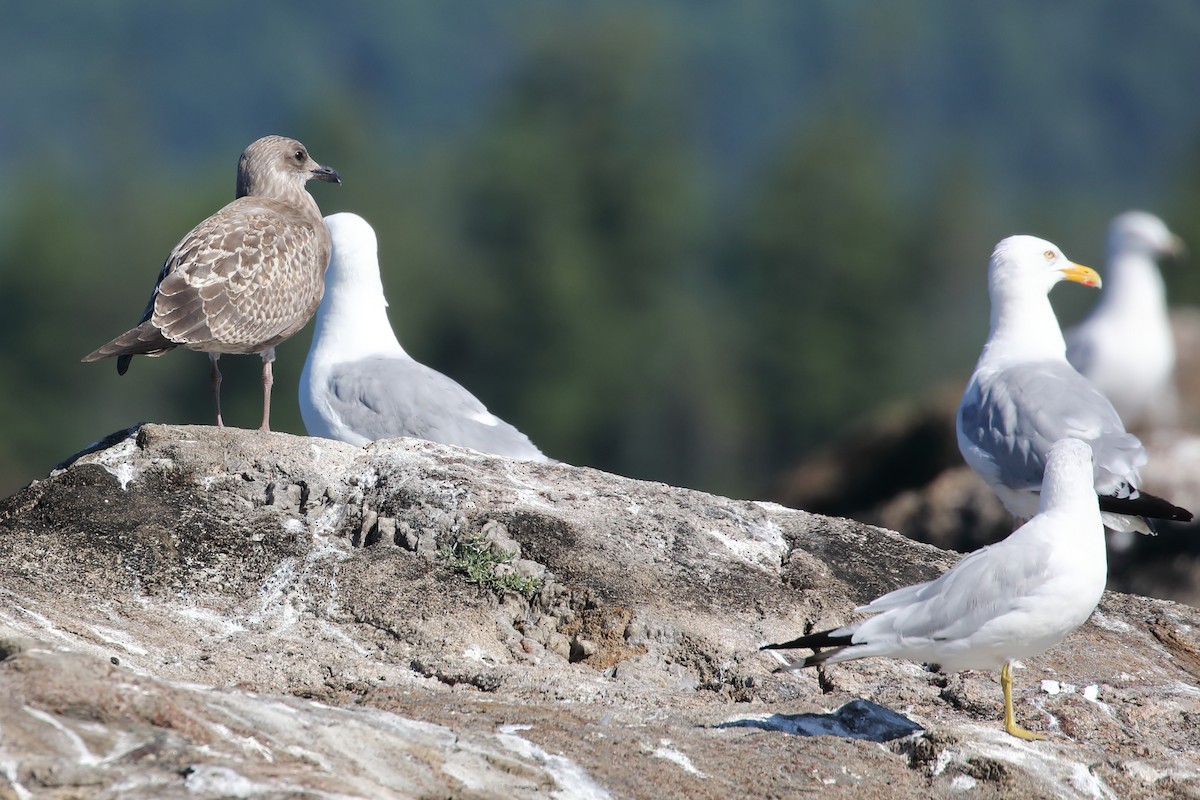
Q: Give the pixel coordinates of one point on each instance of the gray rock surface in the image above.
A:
(203, 613)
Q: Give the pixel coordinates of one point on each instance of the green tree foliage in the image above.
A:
(678, 241)
(579, 223)
(825, 241)
(1183, 275)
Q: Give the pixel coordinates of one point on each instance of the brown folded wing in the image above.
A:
(241, 281)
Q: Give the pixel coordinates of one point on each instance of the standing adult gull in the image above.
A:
(245, 279)
(1010, 600)
(1126, 346)
(358, 383)
(1024, 396)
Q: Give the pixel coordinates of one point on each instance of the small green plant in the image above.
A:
(475, 558)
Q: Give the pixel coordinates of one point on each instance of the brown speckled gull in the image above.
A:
(246, 278)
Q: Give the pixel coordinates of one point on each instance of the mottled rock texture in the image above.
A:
(203, 613)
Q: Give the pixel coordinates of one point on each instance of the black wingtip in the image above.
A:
(1145, 505)
(123, 364)
(824, 643)
(812, 641)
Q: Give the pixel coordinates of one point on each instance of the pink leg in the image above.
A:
(216, 384)
(268, 379)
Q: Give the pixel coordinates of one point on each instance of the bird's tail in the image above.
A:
(145, 340)
(816, 641)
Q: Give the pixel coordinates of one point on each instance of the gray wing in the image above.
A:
(983, 586)
(382, 397)
(1011, 418)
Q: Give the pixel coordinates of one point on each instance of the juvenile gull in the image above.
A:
(1010, 600)
(1024, 396)
(246, 278)
(358, 383)
(1125, 346)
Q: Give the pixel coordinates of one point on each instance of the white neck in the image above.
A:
(1072, 496)
(1023, 327)
(352, 321)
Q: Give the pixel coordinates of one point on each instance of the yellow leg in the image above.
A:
(1010, 719)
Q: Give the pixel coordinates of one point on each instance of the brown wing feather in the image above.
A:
(145, 340)
(245, 279)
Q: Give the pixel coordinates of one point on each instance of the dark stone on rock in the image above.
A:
(858, 719)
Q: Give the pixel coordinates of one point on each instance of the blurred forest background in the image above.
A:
(678, 240)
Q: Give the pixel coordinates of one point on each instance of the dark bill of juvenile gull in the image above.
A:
(358, 383)
(1024, 396)
(1126, 346)
(1011, 600)
(245, 279)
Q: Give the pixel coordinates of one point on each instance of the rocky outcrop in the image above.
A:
(193, 612)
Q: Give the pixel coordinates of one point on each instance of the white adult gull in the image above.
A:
(1024, 396)
(1011, 600)
(358, 383)
(1125, 346)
